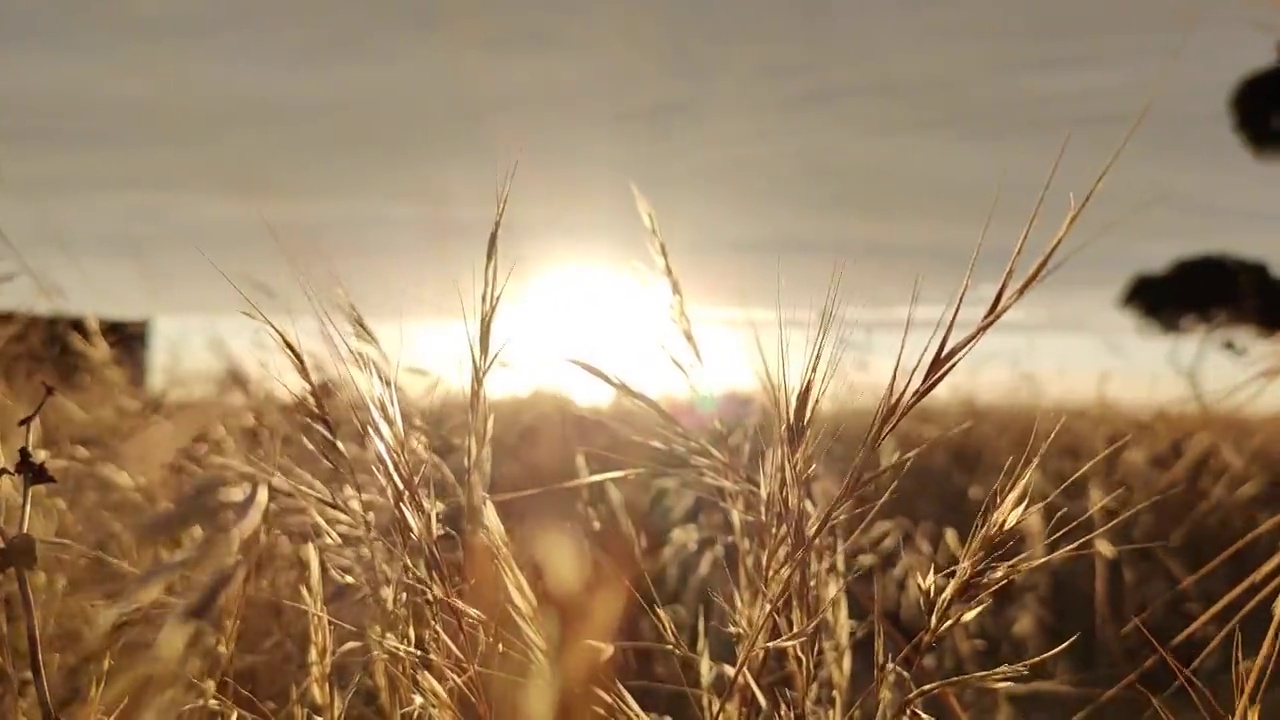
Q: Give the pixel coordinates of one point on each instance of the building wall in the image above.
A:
(63, 350)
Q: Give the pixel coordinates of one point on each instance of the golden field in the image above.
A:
(353, 552)
(163, 588)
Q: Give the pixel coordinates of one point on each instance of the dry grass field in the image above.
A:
(231, 559)
(349, 552)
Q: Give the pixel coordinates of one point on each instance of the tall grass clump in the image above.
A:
(776, 628)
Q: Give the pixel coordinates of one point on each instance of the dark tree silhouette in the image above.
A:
(1255, 109)
(1206, 291)
(1213, 293)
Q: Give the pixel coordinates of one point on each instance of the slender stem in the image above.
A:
(24, 520)
(34, 651)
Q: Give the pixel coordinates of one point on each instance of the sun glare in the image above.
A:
(611, 318)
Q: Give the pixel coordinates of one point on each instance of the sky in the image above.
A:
(148, 148)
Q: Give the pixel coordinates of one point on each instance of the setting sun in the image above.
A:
(600, 315)
(613, 318)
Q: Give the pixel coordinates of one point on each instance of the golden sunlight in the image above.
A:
(615, 319)
(608, 317)
(612, 318)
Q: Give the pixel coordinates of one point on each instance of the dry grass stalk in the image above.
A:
(19, 551)
(776, 627)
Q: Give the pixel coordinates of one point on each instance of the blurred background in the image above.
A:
(149, 148)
